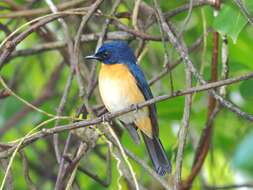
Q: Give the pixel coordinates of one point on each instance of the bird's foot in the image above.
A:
(105, 118)
(135, 107)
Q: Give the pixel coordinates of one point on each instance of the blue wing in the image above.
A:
(144, 87)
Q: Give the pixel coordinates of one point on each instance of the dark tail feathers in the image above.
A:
(157, 155)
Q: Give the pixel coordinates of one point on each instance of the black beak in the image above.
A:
(92, 57)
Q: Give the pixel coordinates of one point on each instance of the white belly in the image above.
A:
(115, 97)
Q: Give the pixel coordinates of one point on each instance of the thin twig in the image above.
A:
(165, 45)
(69, 80)
(125, 158)
(102, 36)
(206, 136)
(180, 47)
(74, 166)
(58, 129)
(195, 170)
(244, 10)
(186, 116)
(151, 172)
(85, 19)
(232, 186)
(187, 19)
(18, 147)
(47, 93)
(28, 179)
(10, 43)
(9, 180)
(95, 177)
(135, 14)
(41, 11)
(224, 61)
(23, 100)
(49, 46)
(60, 110)
(59, 183)
(172, 66)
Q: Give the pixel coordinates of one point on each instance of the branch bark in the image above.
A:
(46, 132)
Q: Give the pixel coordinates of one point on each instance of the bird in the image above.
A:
(122, 84)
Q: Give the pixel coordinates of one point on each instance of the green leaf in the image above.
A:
(246, 89)
(249, 6)
(230, 21)
(244, 155)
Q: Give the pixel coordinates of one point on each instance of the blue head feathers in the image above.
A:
(114, 52)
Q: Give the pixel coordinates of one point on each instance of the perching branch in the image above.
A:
(46, 132)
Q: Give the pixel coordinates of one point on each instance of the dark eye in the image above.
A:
(105, 55)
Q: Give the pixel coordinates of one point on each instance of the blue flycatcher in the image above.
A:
(121, 84)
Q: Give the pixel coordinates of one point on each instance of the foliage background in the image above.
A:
(229, 160)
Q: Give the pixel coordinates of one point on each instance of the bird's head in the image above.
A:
(113, 53)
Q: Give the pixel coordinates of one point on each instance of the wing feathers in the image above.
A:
(144, 88)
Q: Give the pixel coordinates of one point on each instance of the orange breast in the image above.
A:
(119, 90)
